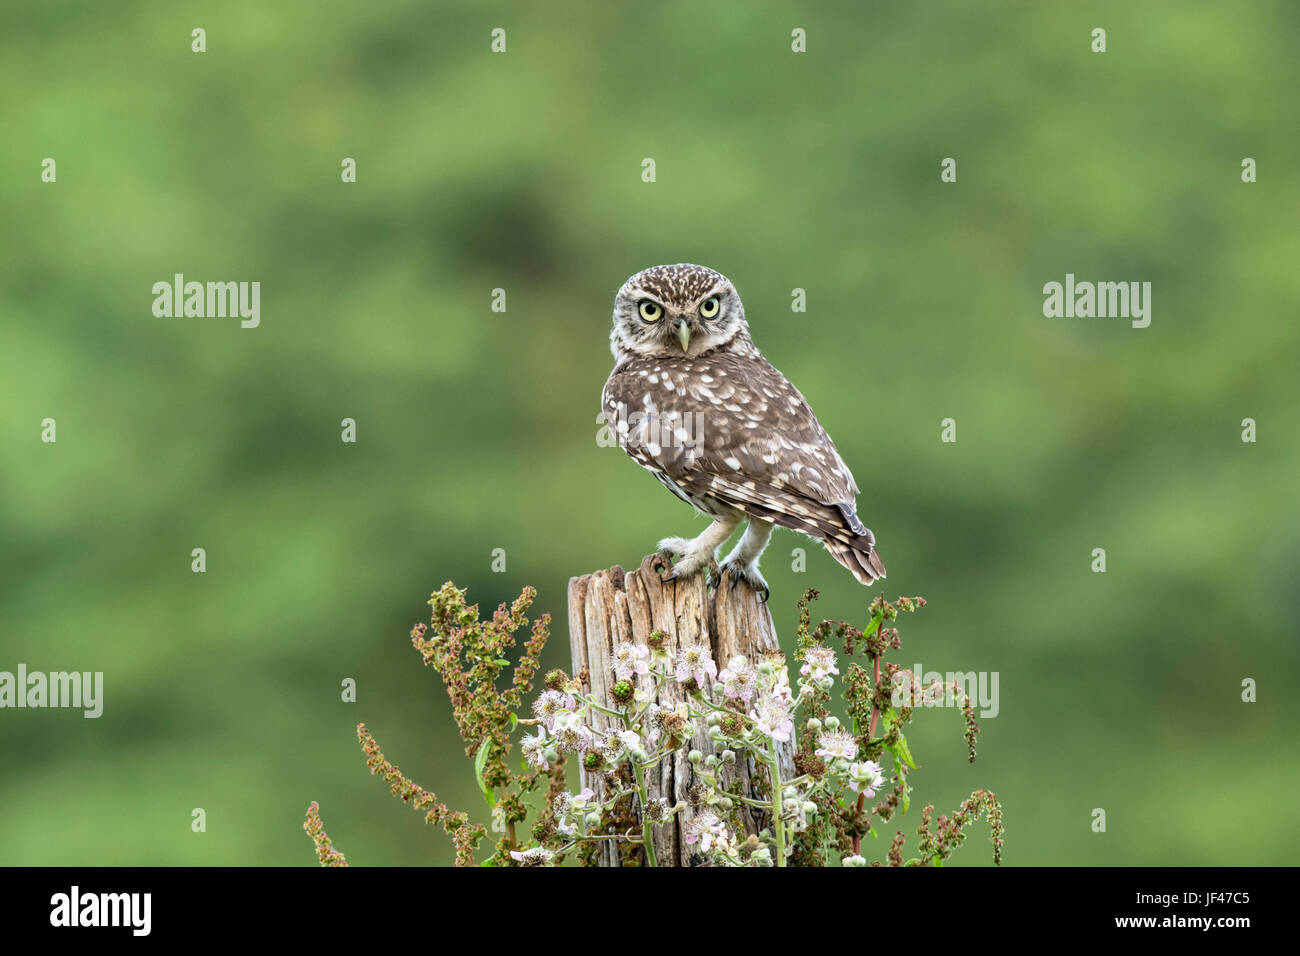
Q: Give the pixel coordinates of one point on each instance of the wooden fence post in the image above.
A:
(612, 606)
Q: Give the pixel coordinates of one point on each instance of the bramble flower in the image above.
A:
(630, 659)
(709, 832)
(620, 744)
(865, 778)
(571, 734)
(818, 662)
(738, 679)
(533, 749)
(772, 678)
(656, 810)
(837, 743)
(550, 704)
(537, 856)
(695, 662)
(566, 803)
(776, 682)
(623, 744)
(772, 716)
(675, 723)
(562, 804)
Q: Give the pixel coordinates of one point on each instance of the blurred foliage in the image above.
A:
(477, 430)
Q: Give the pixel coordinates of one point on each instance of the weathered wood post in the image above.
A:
(609, 607)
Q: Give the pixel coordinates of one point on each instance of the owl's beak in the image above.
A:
(684, 333)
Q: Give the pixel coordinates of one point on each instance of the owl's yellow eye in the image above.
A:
(650, 311)
(709, 307)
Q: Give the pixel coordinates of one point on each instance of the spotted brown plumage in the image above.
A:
(692, 400)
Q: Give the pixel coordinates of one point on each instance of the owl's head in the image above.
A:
(675, 311)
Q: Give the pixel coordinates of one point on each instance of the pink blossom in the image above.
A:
(818, 662)
(696, 663)
(630, 659)
(738, 679)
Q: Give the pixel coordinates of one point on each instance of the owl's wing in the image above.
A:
(739, 431)
(760, 419)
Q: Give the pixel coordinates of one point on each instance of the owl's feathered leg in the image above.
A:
(743, 560)
(698, 553)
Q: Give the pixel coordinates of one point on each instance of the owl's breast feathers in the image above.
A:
(728, 427)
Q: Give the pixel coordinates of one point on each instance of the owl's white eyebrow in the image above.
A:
(716, 291)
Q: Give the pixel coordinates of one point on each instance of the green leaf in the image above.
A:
(480, 761)
(514, 720)
(900, 749)
(887, 719)
(907, 790)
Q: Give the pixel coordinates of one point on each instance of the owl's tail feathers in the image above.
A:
(864, 563)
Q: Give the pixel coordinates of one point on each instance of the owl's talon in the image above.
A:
(749, 574)
(691, 562)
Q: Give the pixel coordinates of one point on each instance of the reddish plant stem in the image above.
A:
(871, 732)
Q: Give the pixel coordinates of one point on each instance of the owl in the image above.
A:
(693, 401)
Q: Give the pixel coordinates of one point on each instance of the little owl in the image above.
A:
(692, 400)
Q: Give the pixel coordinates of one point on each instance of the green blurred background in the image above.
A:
(477, 430)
